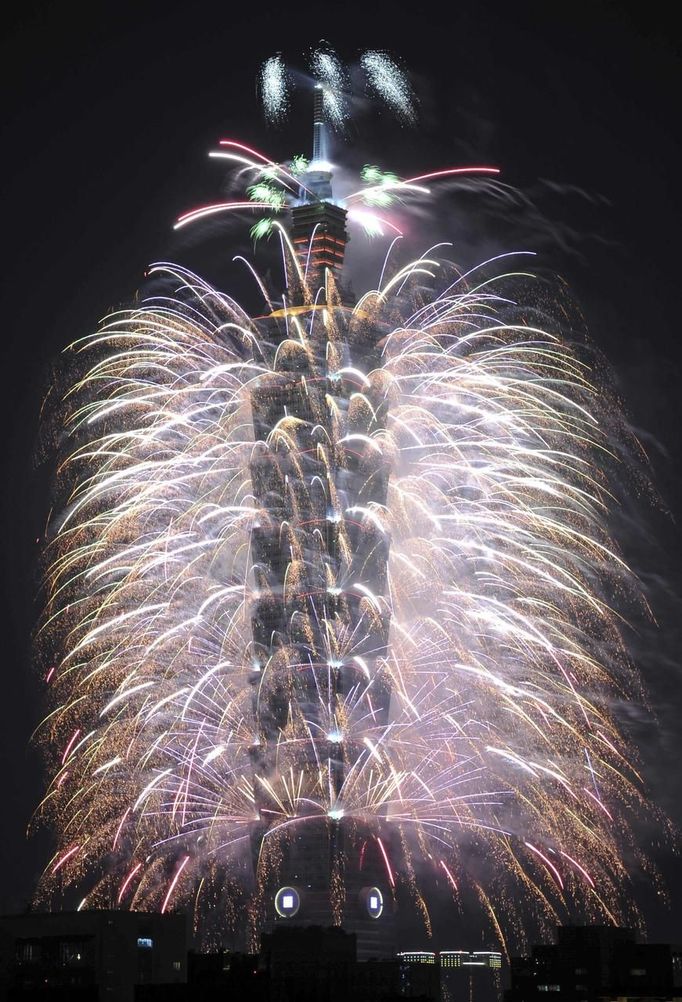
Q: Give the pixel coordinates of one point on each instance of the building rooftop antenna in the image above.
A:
(318, 178)
(319, 130)
(319, 226)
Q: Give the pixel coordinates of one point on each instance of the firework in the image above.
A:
(346, 568)
(330, 74)
(388, 82)
(274, 89)
(384, 78)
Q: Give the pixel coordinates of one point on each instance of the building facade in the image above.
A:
(318, 640)
(591, 963)
(470, 975)
(90, 954)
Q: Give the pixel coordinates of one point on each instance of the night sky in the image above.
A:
(107, 119)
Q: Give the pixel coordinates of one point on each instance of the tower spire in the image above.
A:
(319, 177)
(319, 131)
(319, 226)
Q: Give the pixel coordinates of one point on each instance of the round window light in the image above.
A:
(287, 902)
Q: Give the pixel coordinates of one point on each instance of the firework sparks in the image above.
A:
(389, 83)
(495, 512)
(342, 566)
(329, 72)
(274, 89)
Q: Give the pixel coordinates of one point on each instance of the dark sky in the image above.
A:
(109, 111)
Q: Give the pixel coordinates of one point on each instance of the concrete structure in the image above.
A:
(470, 975)
(310, 964)
(90, 954)
(592, 963)
(296, 964)
(319, 237)
(419, 974)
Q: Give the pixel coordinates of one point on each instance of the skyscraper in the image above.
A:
(318, 641)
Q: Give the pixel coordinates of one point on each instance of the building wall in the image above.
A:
(588, 963)
(101, 953)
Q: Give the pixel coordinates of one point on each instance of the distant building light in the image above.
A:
(144, 943)
(452, 958)
(490, 959)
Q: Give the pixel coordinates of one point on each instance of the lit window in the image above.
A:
(177, 965)
(144, 943)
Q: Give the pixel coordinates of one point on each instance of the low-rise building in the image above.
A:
(89, 955)
(594, 963)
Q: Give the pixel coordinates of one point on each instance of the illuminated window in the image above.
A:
(144, 943)
(453, 958)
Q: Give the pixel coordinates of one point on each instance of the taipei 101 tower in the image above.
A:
(320, 618)
(324, 587)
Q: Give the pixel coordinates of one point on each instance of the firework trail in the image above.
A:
(427, 471)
